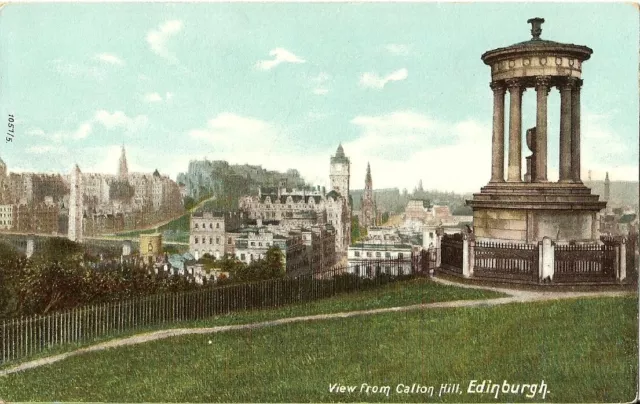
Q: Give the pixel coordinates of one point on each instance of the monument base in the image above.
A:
(527, 212)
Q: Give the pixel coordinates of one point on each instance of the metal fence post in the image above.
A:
(622, 272)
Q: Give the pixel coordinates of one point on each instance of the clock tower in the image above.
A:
(339, 173)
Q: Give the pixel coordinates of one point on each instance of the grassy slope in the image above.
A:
(403, 293)
(585, 351)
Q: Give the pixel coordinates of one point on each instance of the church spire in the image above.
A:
(123, 169)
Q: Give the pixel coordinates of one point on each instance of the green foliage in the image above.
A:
(189, 202)
(385, 217)
(355, 229)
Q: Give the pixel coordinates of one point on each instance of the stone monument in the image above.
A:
(527, 211)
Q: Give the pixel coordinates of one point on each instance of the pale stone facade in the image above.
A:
(369, 260)
(253, 245)
(76, 205)
(6, 217)
(213, 233)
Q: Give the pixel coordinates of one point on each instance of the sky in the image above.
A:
(401, 86)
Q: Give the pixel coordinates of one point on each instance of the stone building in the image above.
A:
(253, 245)
(320, 247)
(214, 233)
(304, 207)
(369, 260)
(421, 210)
(368, 213)
(7, 217)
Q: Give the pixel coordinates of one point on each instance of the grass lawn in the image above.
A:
(401, 293)
(180, 225)
(585, 350)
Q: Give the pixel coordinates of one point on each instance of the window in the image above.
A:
(229, 240)
(217, 240)
(387, 255)
(210, 240)
(400, 256)
(196, 240)
(253, 244)
(211, 225)
(378, 254)
(196, 225)
(357, 253)
(259, 244)
(242, 257)
(217, 225)
(369, 254)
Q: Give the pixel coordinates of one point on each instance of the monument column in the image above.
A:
(575, 130)
(542, 90)
(515, 130)
(565, 131)
(497, 144)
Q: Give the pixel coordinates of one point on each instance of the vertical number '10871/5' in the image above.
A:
(10, 131)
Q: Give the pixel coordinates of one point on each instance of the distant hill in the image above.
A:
(621, 193)
(228, 182)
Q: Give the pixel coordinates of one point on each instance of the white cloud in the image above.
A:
(35, 132)
(76, 70)
(398, 49)
(157, 38)
(119, 119)
(235, 132)
(152, 97)
(47, 149)
(373, 80)
(280, 55)
(155, 97)
(143, 77)
(596, 130)
(405, 146)
(109, 58)
(320, 84)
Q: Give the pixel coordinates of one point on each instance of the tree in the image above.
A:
(355, 229)
(273, 261)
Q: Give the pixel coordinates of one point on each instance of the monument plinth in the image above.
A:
(514, 209)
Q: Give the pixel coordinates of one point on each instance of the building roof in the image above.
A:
(340, 157)
(372, 246)
(536, 46)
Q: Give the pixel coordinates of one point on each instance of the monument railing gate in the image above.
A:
(451, 250)
(586, 262)
(506, 260)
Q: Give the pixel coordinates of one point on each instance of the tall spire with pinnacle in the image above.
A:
(123, 170)
(607, 184)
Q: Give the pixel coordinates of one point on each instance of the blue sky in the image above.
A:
(400, 85)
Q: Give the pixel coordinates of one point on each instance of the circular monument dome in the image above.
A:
(536, 57)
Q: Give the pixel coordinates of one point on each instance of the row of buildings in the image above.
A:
(312, 227)
(86, 203)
